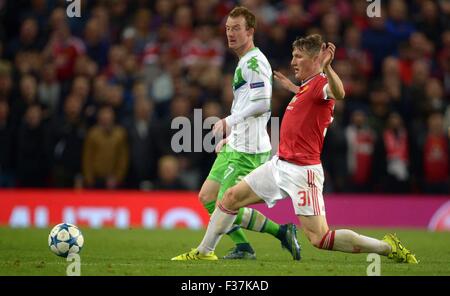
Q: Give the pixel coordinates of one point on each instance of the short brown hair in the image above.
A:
(249, 17)
(310, 44)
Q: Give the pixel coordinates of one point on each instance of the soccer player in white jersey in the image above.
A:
(296, 170)
(248, 144)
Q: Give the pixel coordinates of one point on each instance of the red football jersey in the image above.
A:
(305, 121)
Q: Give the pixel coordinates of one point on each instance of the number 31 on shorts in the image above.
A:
(304, 199)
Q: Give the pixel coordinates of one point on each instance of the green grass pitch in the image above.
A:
(148, 252)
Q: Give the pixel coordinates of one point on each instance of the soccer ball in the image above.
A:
(65, 239)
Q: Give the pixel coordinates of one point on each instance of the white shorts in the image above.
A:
(278, 179)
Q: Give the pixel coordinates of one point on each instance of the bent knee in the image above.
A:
(205, 197)
(231, 199)
(315, 241)
(317, 238)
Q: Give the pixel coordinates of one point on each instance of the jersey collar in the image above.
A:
(253, 49)
(305, 81)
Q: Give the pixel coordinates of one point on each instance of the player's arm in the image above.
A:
(335, 88)
(285, 82)
(254, 108)
(258, 77)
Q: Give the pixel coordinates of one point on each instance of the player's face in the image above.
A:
(237, 33)
(302, 64)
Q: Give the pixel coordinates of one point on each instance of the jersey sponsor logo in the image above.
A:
(257, 84)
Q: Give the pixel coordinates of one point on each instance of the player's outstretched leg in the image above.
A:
(348, 241)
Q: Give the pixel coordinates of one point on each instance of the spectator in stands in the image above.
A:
(142, 21)
(6, 82)
(205, 49)
(188, 159)
(434, 96)
(360, 151)
(7, 163)
(113, 71)
(335, 152)
(105, 152)
(182, 26)
(97, 46)
(168, 174)
(377, 40)
(49, 89)
(353, 52)
(85, 66)
(68, 136)
(28, 39)
(429, 21)
(331, 27)
(359, 14)
(434, 147)
(64, 48)
(394, 86)
(379, 107)
(28, 96)
(163, 13)
(398, 24)
(33, 149)
(142, 139)
(81, 88)
(397, 153)
(416, 93)
(115, 98)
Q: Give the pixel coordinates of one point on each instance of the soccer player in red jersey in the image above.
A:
(296, 171)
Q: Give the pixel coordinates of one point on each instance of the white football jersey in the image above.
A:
(252, 82)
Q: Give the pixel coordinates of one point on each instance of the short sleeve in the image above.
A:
(321, 90)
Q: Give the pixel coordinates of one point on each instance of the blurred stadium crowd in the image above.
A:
(88, 102)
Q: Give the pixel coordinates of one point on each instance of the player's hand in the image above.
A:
(220, 145)
(285, 82)
(221, 128)
(326, 54)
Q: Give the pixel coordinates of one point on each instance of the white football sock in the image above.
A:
(351, 242)
(221, 222)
